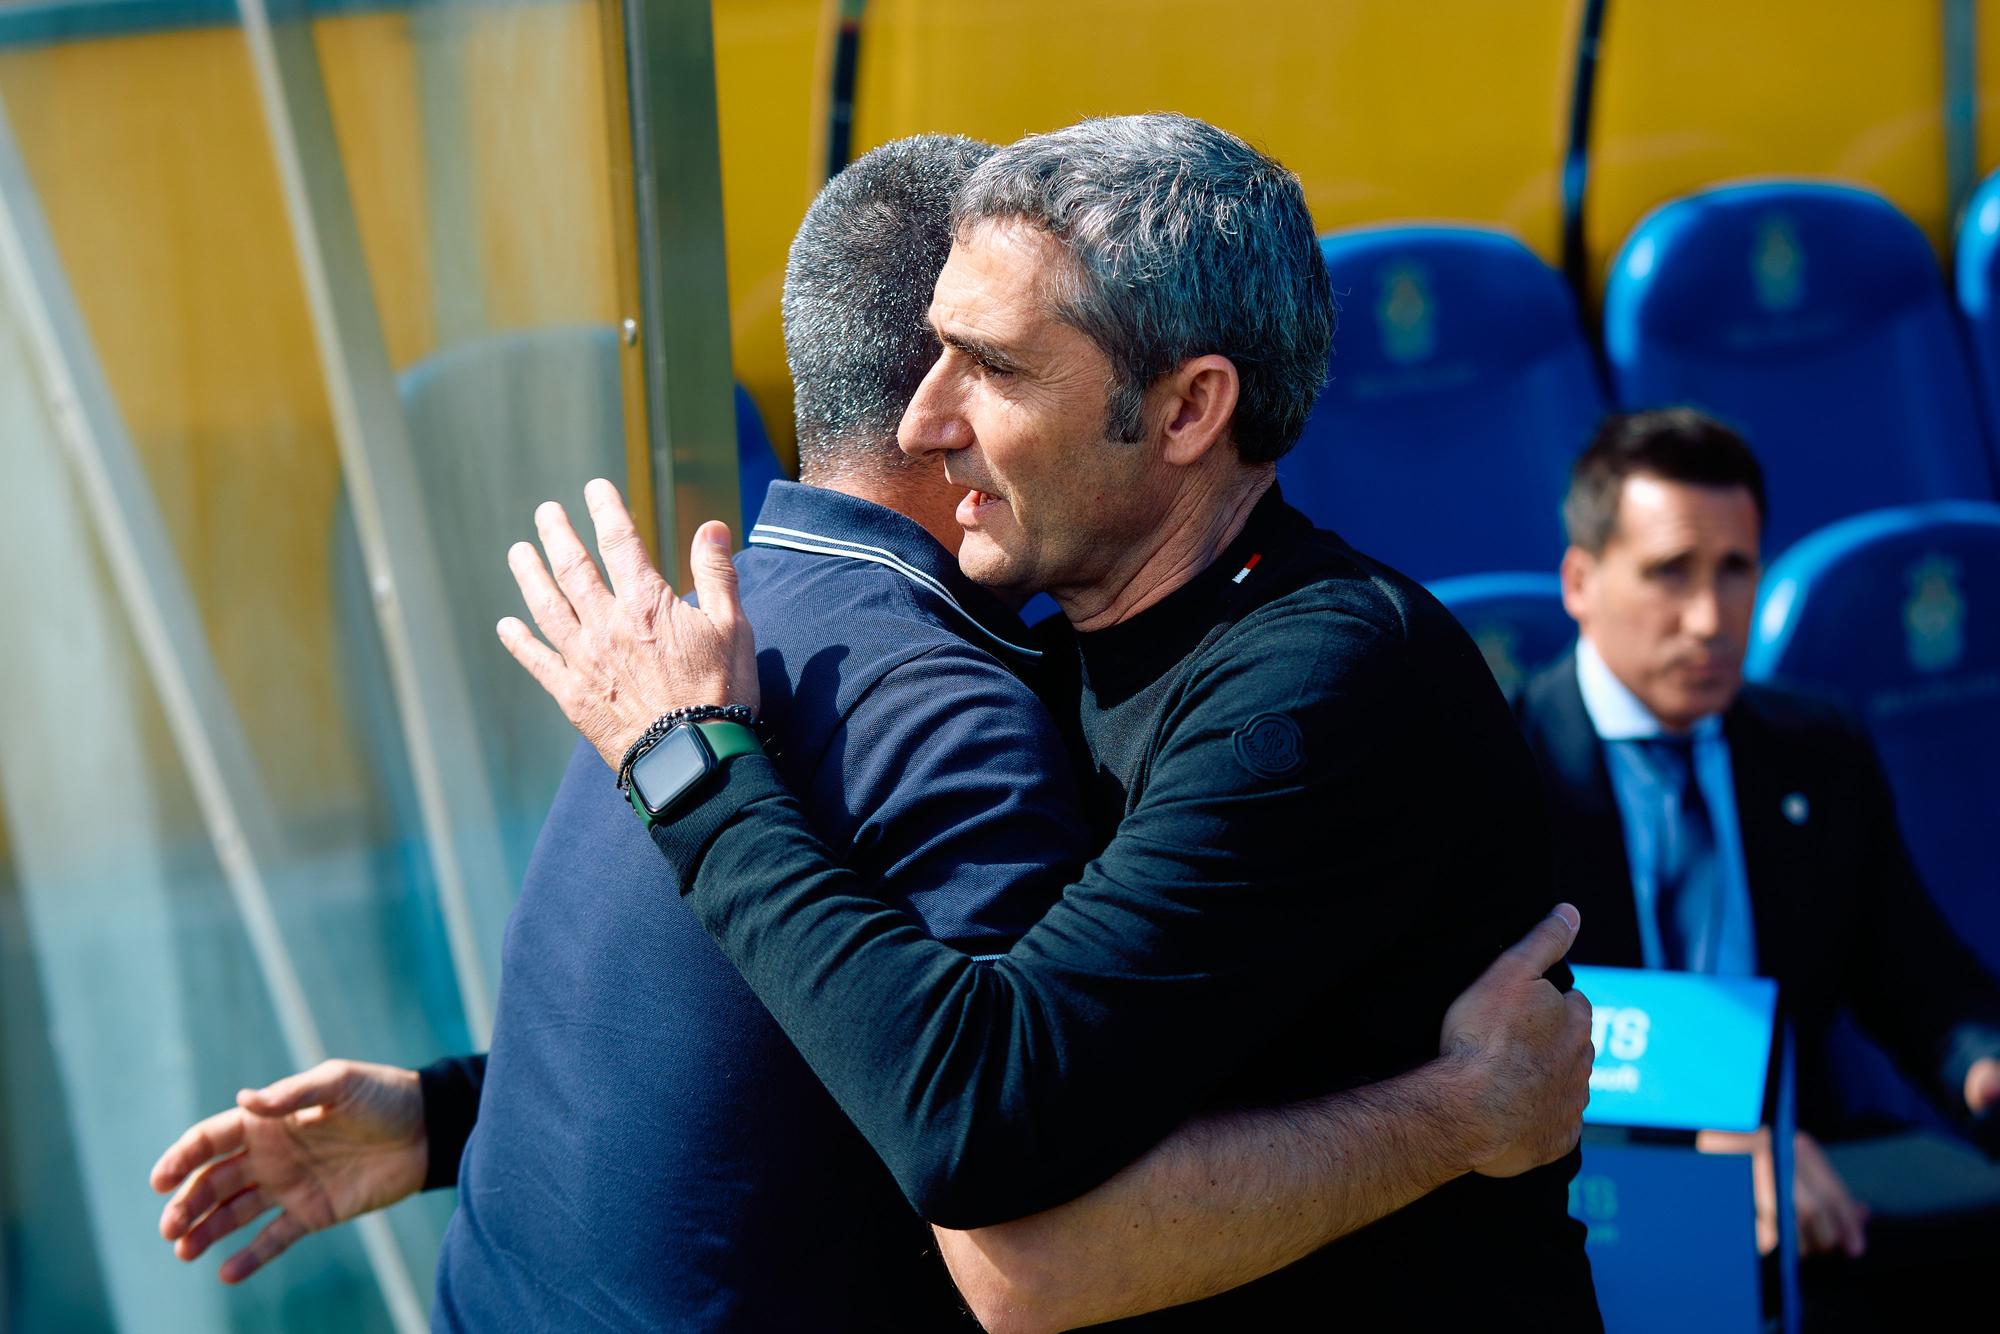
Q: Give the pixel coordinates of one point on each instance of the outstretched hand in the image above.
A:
(619, 657)
(323, 1146)
(1526, 1047)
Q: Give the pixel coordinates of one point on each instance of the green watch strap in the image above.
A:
(638, 806)
(727, 740)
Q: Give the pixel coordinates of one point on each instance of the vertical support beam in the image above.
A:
(1961, 109)
(683, 270)
(165, 621)
(625, 260)
(1784, 1165)
(840, 70)
(439, 729)
(1576, 156)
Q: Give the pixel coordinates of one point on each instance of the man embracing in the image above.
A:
(1322, 822)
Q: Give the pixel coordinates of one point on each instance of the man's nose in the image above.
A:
(1701, 616)
(933, 423)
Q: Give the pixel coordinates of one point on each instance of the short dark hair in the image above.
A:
(1183, 240)
(857, 296)
(1672, 444)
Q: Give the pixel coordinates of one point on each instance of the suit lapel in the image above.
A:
(1594, 871)
(1761, 793)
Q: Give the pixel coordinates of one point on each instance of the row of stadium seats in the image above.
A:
(1811, 316)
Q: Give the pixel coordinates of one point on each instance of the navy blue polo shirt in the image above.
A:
(650, 1150)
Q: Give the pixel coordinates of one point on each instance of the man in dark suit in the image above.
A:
(1709, 826)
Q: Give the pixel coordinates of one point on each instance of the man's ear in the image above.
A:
(1579, 569)
(1196, 403)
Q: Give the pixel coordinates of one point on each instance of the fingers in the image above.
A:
(542, 662)
(1830, 1219)
(1819, 1233)
(545, 602)
(1982, 1086)
(323, 1083)
(630, 569)
(228, 1216)
(205, 1139)
(266, 1246)
(715, 574)
(1578, 1006)
(1853, 1218)
(217, 1182)
(1545, 944)
(575, 572)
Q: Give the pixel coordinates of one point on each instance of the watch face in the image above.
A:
(671, 768)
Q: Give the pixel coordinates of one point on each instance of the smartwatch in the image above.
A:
(672, 769)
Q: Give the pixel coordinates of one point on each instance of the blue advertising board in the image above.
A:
(1672, 1239)
(1677, 1051)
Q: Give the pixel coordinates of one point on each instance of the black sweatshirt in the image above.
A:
(1326, 825)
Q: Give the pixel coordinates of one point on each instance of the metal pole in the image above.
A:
(446, 758)
(683, 273)
(1576, 156)
(1961, 109)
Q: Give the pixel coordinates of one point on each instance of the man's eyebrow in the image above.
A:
(976, 348)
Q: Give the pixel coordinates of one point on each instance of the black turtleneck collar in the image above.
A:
(1121, 660)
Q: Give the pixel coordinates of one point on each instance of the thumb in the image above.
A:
(1545, 944)
(308, 1088)
(714, 573)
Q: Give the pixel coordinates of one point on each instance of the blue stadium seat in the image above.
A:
(1461, 387)
(1811, 317)
(1897, 613)
(1517, 620)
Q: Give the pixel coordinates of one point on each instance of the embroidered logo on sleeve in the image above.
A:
(1271, 746)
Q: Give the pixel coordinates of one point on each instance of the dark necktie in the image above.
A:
(1686, 893)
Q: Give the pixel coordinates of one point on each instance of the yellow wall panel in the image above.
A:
(771, 70)
(1386, 109)
(371, 87)
(541, 171)
(174, 239)
(1692, 92)
(1986, 71)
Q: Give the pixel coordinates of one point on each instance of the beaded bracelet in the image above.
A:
(693, 713)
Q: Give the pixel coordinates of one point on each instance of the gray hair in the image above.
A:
(1183, 241)
(857, 294)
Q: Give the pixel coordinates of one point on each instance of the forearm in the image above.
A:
(995, 1090)
(1224, 1200)
(923, 1049)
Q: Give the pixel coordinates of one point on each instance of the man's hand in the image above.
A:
(1829, 1218)
(622, 656)
(1982, 1086)
(1525, 1048)
(324, 1146)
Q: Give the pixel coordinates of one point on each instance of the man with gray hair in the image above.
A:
(1321, 820)
(614, 1179)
